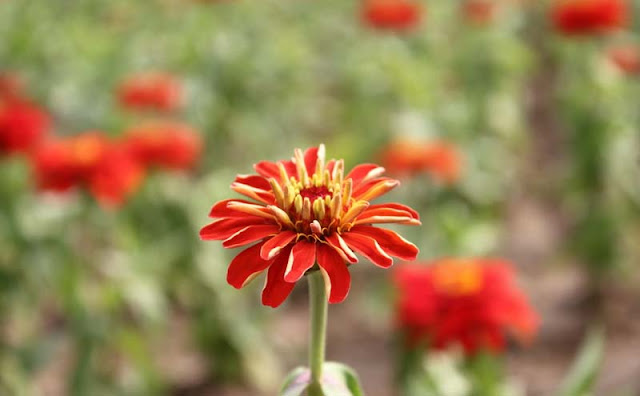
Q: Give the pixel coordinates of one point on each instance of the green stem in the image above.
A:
(318, 304)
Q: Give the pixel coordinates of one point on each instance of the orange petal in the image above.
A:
(220, 209)
(374, 189)
(396, 206)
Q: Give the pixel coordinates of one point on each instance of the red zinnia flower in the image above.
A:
(88, 160)
(391, 14)
(584, 17)
(151, 91)
(440, 159)
(627, 58)
(479, 12)
(467, 302)
(164, 144)
(306, 212)
(22, 125)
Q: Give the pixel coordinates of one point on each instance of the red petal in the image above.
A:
(395, 206)
(267, 169)
(385, 215)
(220, 209)
(335, 272)
(364, 172)
(310, 159)
(274, 245)
(302, 257)
(246, 266)
(369, 248)
(373, 189)
(392, 243)
(330, 165)
(291, 168)
(254, 181)
(258, 194)
(223, 229)
(336, 242)
(276, 289)
(250, 234)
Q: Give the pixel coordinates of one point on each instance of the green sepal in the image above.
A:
(337, 380)
(340, 380)
(296, 382)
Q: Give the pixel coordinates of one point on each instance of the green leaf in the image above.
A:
(296, 382)
(583, 372)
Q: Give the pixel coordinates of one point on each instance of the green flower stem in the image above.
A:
(318, 304)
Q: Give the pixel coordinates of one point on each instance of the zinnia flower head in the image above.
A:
(472, 303)
(391, 14)
(408, 157)
(304, 212)
(88, 160)
(165, 144)
(22, 125)
(588, 17)
(626, 58)
(151, 91)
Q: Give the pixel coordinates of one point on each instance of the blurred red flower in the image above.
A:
(471, 303)
(585, 17)
(151, 91)
(391, 14)
(22, 125)
(306, 212)
(164, 144)
(626, 58)
(440, 159)
(88, 160)
(479, 12)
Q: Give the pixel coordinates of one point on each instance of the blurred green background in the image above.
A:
(131, 302)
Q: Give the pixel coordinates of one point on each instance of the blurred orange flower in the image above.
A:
(479, 12)
(391, 14)
(471, 303)
(626, 58)
(22, 125)
(151, 91)
(87, 160)
(305, 215)
(440, 159)
(585, 17)
(164, 144)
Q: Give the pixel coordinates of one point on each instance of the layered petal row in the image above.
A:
(304, 215)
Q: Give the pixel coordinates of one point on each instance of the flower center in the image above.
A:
(315, 203)
(458, 277)
(315, 192)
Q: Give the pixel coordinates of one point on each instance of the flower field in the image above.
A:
(337, 198)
